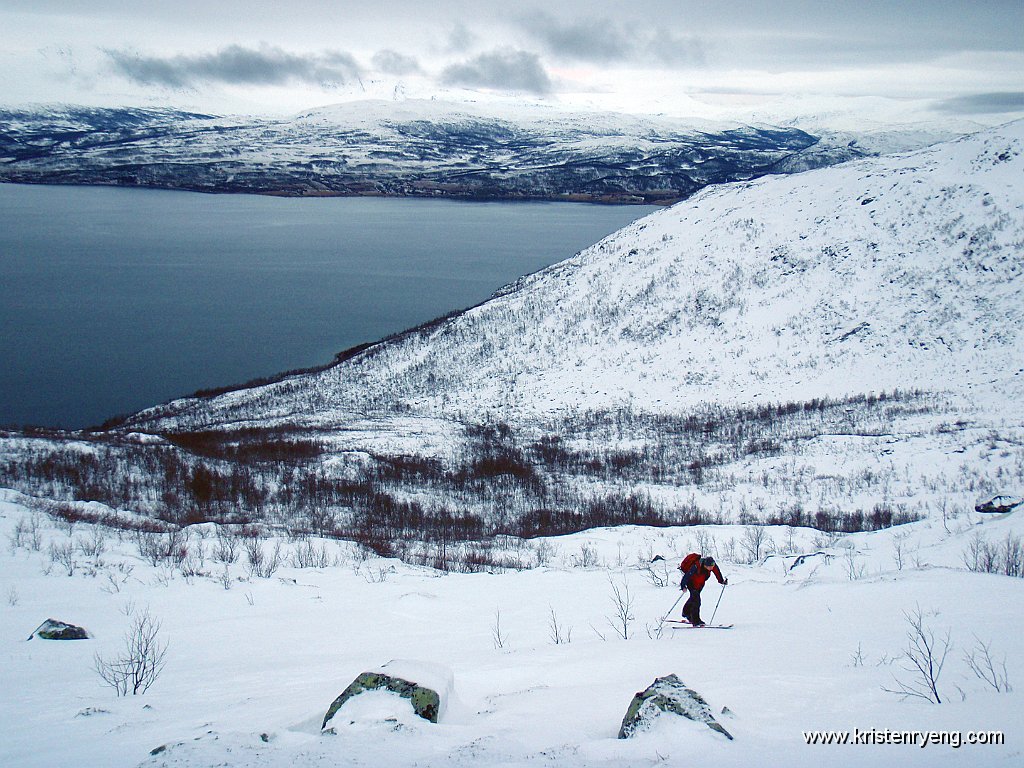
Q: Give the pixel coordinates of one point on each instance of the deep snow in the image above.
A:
(252, 669)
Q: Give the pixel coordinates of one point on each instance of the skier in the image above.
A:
(697, 570)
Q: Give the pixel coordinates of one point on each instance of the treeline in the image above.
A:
(578, 473)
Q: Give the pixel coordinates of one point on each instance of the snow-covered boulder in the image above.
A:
(667, 694)
(998, 504)
(426, 686)
(51, 629)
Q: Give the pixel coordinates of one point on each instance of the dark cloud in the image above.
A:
(605, 41)
(237, 65)
(589, 40)
(460, 38)
(395, 63)
(983, 103)
(503, 70)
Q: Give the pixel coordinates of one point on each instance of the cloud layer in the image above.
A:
(503, 70)
(237, 65)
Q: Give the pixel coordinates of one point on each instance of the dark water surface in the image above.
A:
(112, 300)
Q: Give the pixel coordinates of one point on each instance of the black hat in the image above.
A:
(708, 562)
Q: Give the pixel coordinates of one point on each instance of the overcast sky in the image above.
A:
(947, 58)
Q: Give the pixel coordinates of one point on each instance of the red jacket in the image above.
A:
(695, 574)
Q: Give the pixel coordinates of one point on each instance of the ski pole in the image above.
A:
(669, 612)
(716, 605)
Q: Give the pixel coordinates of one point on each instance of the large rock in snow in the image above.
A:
(999, 504)
(426, 686)
(667, 694)
(51, 629)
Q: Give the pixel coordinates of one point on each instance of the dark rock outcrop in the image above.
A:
(997, 505)
(424, 693)
(51, 629)
(667, 694)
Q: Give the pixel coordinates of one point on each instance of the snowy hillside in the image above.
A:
(410, 148)
(252, 663)
(894, 273)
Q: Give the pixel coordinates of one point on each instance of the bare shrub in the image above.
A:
(262, 564)
(543, 552)
(622, 600)
(586, 557)
(558, 633)
(657, 571)
(706, 543)
(169, 547)
(225, 548)
(139, 665)
(987, 669)
(855, 569)
(498, 636)
(754, 543)
(94, 545)
(308, 555)
(64, 556)
(923, 660)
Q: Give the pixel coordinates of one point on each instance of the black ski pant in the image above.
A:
(691, 608)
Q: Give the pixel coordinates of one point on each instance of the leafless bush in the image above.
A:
(855, 569)
(622, 600)
(557, 632)
(657, 572)
(544, 552)
(139, 665)
(923, 660)
(586, 557)
(170, 547)
(262, 564)
(499, 638)
(225, 548)
(706, 543)
(987, 669)
(93, 546)
(13, 597)
(376, 575)
(308, 555)
(64, 556)
(1006, 557)
(754, 543)
(899, 542)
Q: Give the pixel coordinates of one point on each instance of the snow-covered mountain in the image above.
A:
(901, 272)
(415, 148)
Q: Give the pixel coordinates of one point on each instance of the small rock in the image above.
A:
(51, 629)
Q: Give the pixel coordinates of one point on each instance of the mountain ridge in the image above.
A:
(416, 148)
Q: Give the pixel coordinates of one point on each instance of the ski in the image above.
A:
(688, 625)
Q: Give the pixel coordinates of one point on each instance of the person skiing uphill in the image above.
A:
(696, 571)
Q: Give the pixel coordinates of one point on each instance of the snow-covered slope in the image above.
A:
(900, 272)
(253, 663)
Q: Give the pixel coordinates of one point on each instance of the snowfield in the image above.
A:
(253, 663)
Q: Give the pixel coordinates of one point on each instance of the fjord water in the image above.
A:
(113, 299)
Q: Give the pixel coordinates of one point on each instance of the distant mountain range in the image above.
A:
(414, 148)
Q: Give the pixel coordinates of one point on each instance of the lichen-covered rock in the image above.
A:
(667, 694)
(424, 685)
(51, 629)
